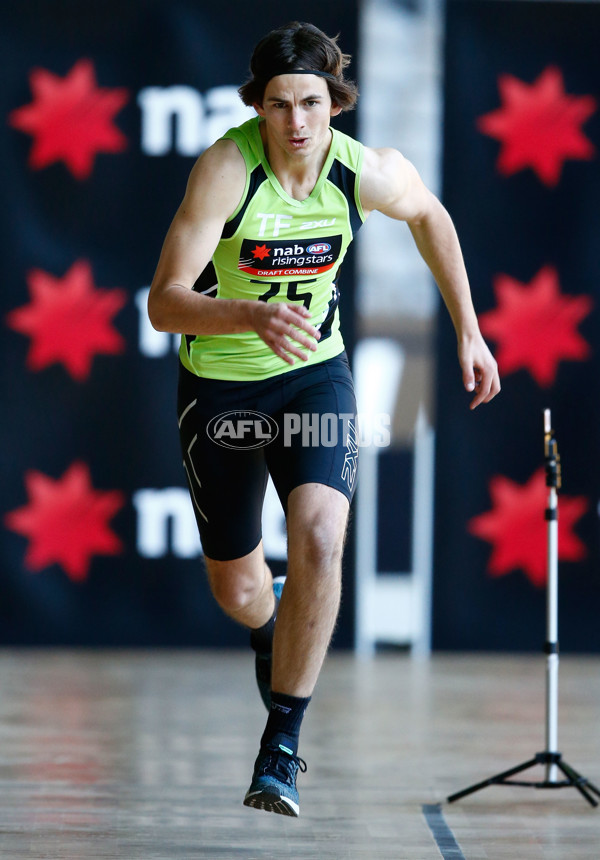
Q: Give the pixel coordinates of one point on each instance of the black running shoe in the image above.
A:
(273, 786)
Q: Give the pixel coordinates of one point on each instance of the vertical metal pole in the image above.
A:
(366, 550)
(551, 647)
(422, 532)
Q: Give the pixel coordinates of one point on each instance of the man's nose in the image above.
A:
(296, 119)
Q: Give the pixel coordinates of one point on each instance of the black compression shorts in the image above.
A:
(299, 426)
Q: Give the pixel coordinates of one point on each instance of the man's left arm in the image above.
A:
(392, 185)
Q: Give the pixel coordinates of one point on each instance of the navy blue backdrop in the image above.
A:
(105, 108)
(521, 180)
(106, 105)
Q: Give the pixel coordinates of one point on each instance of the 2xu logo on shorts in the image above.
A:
(242, 429)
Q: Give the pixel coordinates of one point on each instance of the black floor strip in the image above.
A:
(444, 838)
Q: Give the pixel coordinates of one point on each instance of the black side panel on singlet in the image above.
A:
(257, 177)
(345, 179)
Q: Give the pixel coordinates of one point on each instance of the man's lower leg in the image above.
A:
(306, 618)
(261, 640)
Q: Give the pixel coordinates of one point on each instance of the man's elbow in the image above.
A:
(157, 312)
(430, 214)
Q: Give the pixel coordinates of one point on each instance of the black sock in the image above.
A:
(261, 638)
(284, 721)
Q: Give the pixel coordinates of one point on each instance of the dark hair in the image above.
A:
(299, 46)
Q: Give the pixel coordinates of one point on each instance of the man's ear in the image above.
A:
(258, 108)
(335, 109)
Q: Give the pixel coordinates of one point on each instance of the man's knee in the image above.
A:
(320, 542)
(317, 518)
(234, 586)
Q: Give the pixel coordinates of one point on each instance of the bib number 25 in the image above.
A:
(292, 293)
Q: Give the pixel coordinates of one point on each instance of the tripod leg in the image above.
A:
(579, 782)
(493, 780)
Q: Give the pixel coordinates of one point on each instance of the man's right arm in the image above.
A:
(214, 189)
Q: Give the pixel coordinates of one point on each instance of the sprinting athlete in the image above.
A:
(248, 274)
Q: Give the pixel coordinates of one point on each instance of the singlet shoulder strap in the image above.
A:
(345, 174)
(244, 136)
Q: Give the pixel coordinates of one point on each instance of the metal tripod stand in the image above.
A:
(550, 758)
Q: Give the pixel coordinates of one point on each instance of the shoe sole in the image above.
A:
(272, 803)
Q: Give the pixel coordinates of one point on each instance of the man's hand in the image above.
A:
(285, 328)
(479, 370)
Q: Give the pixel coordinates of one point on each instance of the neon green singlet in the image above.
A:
(276, 248)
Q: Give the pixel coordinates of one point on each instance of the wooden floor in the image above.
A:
(148, 755)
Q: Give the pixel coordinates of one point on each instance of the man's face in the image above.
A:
(297, 110)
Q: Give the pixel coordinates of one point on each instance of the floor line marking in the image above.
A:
(444, 838)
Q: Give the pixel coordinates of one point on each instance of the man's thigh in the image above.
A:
(227, 486)
(318, 436)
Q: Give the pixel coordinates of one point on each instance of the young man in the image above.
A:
(273, 206)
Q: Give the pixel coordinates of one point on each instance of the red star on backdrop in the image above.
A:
(71, 118)
(535, 326)
(68, 320)
(518, 530)
(66, 521)
(260, 252)
(539, 125)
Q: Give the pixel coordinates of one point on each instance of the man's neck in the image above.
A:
(297, 175)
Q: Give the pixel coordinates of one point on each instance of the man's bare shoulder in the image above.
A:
(223, 154)
(383, 177)
(218, 178)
